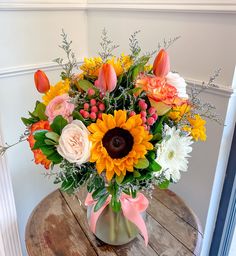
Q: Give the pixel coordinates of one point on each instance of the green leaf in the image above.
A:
(164, 185)
(40, 111)
(58, 124)
(128, 178)
(151, 155)
(136, 174)
(135, 90)
(85, 85)
(159, 126)
(120, 178)
(76, 115)
(119, 80)
(39, 135)
(136, 71)
(29, 121)
(157, 137)
(38, 144)
(50, 142)
(154, 166)
(142, 163)
(98, 193)
(101, 201)
(52, 136)
(48, 150)
(55, 158)
(67, 184)
(133, 193)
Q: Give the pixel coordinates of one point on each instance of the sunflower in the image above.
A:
(118, 143)
(60, 88)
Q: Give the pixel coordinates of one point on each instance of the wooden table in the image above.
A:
(58, 226)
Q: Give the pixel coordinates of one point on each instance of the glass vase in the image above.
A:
(114, 228)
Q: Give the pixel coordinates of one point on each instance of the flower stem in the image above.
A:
(112, 224)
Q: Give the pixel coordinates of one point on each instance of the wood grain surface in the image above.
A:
(58, 227)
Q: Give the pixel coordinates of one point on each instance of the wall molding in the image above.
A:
(29, 69)
(50, 66)
(125, 5)
(10, 241)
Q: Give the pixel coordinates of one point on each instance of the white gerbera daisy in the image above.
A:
(172, 153)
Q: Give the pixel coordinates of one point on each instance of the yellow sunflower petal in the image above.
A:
(120, 117)
(100, 167)
(109, 175)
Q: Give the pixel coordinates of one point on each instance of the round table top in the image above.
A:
(58, 226)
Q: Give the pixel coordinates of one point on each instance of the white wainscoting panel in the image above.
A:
(9, 237)
(30, 41)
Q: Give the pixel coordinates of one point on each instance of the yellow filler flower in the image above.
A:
(118, 143)
(60, 88)
(197, 128)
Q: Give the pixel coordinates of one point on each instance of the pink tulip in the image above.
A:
(41, 81)
(107, 78)
(161, 65)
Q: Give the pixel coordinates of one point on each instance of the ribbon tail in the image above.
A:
(95, 215)
(135, 217)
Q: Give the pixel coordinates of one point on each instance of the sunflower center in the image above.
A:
(118, 142)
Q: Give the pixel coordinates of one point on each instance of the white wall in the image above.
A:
(29, 40)
(30, 35)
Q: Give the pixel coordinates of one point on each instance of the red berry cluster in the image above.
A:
(92, 109)
(148, 115)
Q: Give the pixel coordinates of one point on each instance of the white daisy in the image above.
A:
(172, 153)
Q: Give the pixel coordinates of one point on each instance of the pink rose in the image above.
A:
(60, 105)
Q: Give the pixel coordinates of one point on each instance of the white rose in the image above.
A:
(178, 82)
(74, 144)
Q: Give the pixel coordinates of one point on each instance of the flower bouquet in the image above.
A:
(120, 126)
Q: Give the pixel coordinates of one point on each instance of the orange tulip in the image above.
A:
(161, 65)
(107, 78)
(41, 81)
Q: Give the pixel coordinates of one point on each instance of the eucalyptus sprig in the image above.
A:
(71, 59)
(107, 46)
(205, 109)
(22, 138)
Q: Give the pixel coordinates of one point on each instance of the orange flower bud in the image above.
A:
(161, 65)
(41, 81)
(107, 78)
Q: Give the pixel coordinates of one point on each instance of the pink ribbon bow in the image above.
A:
(131, 207)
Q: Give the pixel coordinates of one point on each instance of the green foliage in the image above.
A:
(85, 85)
(142, 163)
(40, 111)
(37, 115)
(47, 141)
(101, 201)
(119, 179)
(165, 184)
(58, 124)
